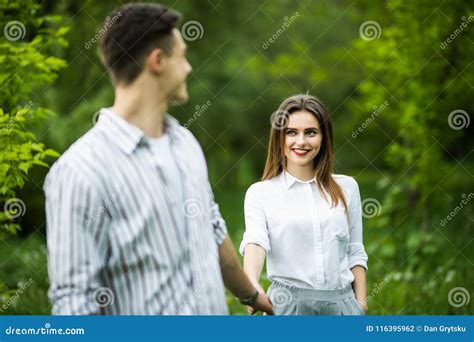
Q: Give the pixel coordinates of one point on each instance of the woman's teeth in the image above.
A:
(300, 151)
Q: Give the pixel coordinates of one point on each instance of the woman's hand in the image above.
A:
(359, 286)
(363, 305)
(254, 258)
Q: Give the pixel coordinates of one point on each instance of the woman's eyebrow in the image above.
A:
(306, 129)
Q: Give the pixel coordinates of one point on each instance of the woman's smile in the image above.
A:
(300, 152)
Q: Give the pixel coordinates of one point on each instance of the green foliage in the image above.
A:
(407, 156)
(25, 67)
(422, 81)
(407, 68)
(24, 272)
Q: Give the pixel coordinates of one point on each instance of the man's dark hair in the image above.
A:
(130, 33)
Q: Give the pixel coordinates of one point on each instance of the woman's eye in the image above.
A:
(290, 132)
(312, 133)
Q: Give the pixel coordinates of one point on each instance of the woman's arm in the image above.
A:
(256, 241)
(254, 258)
(359, 286)
(357, 257)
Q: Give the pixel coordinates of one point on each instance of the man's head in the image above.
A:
(142, 44)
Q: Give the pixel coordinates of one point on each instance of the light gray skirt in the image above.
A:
(290, 300)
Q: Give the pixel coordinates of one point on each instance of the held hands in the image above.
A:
(262, 303)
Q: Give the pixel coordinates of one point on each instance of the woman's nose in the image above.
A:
(301, 140)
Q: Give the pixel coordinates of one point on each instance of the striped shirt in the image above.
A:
(115, 245)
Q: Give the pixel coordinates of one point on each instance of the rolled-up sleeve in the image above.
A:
(256, 229)
(74, 219)
(218, 223)
(356, 251)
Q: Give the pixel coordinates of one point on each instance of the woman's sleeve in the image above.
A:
(256, 230)
(356, 252)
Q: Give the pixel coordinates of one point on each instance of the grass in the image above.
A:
(24, 271)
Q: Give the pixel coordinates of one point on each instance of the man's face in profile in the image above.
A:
(176, 71)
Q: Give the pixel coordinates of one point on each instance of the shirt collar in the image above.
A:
(289, 179)
(126, 135)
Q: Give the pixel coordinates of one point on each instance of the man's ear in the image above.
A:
(155, 61)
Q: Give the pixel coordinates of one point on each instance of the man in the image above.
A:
(131, 220)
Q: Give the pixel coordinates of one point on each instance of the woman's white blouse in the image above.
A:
(308, 243)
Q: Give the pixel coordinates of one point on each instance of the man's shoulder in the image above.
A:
(179, 129)
(83, 154)
(88, 145)
(185, 135)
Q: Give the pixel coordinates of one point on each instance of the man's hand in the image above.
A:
(237, 281)
(263, 303)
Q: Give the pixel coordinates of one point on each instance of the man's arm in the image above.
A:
(236, 280)
(232, 273)
(74, 215)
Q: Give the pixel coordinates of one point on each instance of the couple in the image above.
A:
(132, 226)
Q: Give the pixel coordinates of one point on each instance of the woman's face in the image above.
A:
(303, 139)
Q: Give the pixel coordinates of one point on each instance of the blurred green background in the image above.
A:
(396, 76)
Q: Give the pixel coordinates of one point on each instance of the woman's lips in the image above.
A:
(300, 152)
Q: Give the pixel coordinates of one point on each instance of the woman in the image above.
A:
(305, 220)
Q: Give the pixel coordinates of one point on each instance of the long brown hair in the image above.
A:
(323, 162)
